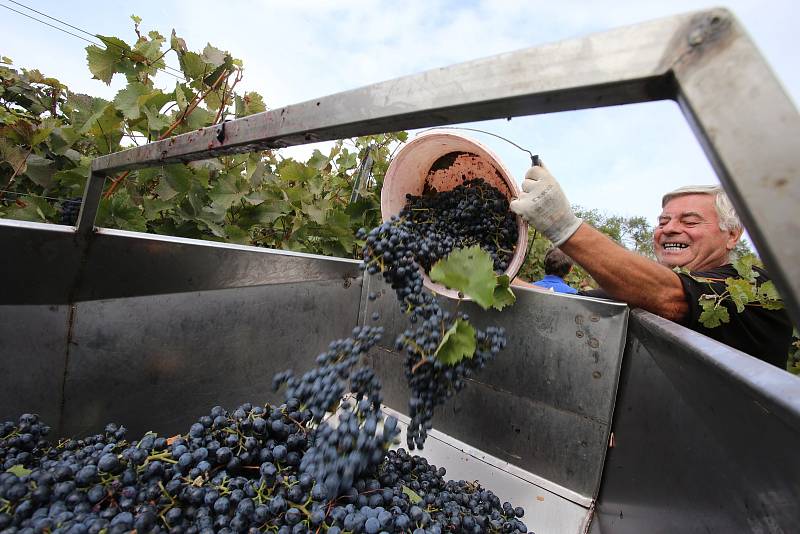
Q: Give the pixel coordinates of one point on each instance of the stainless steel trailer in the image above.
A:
(625, 422)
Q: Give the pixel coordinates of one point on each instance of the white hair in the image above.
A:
(728, 220)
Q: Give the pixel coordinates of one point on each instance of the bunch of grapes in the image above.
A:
(69, 211)
(427, 230)
(356, 442)
(473, 213)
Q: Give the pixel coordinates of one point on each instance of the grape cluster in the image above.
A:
(232, 472)
(68, 211)
(472, 213)
(357, 440)
(426, 230)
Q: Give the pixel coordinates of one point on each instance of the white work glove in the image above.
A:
(545, 207)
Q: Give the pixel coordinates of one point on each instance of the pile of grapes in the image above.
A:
(320, 462)
(232, 472)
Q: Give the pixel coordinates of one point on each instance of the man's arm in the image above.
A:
(624, 275)
(627, 276)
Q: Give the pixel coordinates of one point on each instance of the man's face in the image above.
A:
(688, 234)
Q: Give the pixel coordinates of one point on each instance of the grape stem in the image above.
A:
(419, 364)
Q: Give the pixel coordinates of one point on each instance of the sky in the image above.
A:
(619, 160)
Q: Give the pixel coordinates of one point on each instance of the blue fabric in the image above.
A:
(557, 284)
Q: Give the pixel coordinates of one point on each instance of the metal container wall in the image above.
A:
(161, 329)
(705, 439)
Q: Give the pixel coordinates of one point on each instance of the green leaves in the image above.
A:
(714, 313)
(120, 212)
(49, 135)
(471, 271)
(18, 470)
(503, 296)
(105, 62)
(457, 343)
(741, 292)
(249, 104)
(128, 100)
(412, 495)
(744, 267)
(768, 296)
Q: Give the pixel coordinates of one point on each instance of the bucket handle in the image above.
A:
(535, 161)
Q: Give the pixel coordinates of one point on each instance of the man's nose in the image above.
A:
(671, 227)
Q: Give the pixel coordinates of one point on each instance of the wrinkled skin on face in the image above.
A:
(688, 234)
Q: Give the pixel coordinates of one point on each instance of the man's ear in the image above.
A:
(733, 237)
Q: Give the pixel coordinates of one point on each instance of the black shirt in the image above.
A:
(764, 334)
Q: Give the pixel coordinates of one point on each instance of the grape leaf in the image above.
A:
(103, 62)
(503, 296)
(192, 65)
(120, 212)
(249, 104)
(741, 292)
(714, 314)
(744, 266)
(179, 178)
(128, 100)
(237, 235)
(73, 179)
(155, 121)
(317, 160)
(213, 56)
(226, 192)
(412, 495)
(14, 155)
(180, 97)
(150, 51)
(154, 206)
(316, 211)
(457, 343)
(469, 270)
(105, 127)
(32, 208)
(20, 470)
(269, 212)
(768, 296)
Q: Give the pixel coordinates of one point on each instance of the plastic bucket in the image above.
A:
(444, 160)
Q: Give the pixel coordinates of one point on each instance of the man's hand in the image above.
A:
(544, 205)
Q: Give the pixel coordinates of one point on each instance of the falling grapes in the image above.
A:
(429, 228)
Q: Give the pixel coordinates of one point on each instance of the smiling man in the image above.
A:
(697, 230)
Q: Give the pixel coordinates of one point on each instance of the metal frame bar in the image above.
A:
(746, 123)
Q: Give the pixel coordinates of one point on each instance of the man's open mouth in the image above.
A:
(674, 246)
